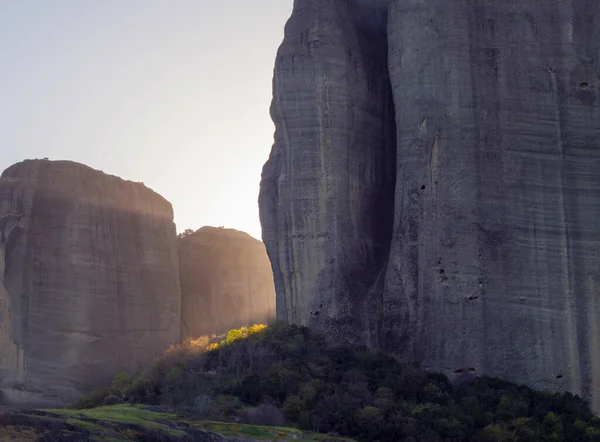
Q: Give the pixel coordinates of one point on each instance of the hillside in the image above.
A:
(126, 422)
(291, 375)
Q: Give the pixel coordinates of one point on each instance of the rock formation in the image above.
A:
(88, 278)
(433, 185)
(226, 282)
(327, 192)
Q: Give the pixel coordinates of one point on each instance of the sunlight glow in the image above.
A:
(172, 94)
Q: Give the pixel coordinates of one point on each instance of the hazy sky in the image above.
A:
(173, 93)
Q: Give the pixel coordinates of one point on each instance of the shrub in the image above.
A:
(264, 414)
(228, 405)
(111, 399)
(234, 335)
(91, 400)
(370, 421)
(142, 389)
(204, 404)
(293, 407)
(174, 375)
(120, 383)
(257, 328)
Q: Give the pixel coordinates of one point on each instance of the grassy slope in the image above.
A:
(127, 422)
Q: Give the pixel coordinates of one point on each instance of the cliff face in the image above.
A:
(88, 278)
(469, 238)
(327, 190)
(226, 282)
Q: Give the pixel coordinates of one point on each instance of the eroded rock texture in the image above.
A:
(226, 282)
(494, 259)
(88, 278)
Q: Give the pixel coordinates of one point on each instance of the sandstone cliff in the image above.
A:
(433, 186)
(88, 278)
(226, 282)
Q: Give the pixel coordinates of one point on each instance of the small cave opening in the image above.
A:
(442, 277)
(584, 85)
(470, 370)
(560, 376)
(423, 187)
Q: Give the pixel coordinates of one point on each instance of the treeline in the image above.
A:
(293, 374)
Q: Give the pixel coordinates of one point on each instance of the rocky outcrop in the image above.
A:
(226, 282)
(88, 278)
(457, 227)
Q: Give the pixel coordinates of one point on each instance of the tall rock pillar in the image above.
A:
(89, 279)
(326, 195)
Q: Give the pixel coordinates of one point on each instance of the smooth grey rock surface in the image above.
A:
(88, 278)
(226, 282)
(327, 190)
(493, 263)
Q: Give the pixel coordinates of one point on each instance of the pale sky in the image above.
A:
(173, 93)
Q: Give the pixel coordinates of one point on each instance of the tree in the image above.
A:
(234, 335)
(186, 232)
(370, 421)
(121, 383)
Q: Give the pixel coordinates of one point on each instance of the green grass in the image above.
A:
(263, 432)
(126, 414)
(255, 431)
(90, 426)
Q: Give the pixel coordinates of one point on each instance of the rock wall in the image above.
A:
(88, 278)
(327, 191)
(226, 282)
(486, 256)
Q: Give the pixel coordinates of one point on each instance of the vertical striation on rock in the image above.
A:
(327, 189)
(495, 265)
(226, 282)
(494, 258)
(88, 278)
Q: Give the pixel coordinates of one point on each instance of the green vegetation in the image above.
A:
(186, 232)
(265, 376)
(127, 422)
(263, 432)
(123, 413)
